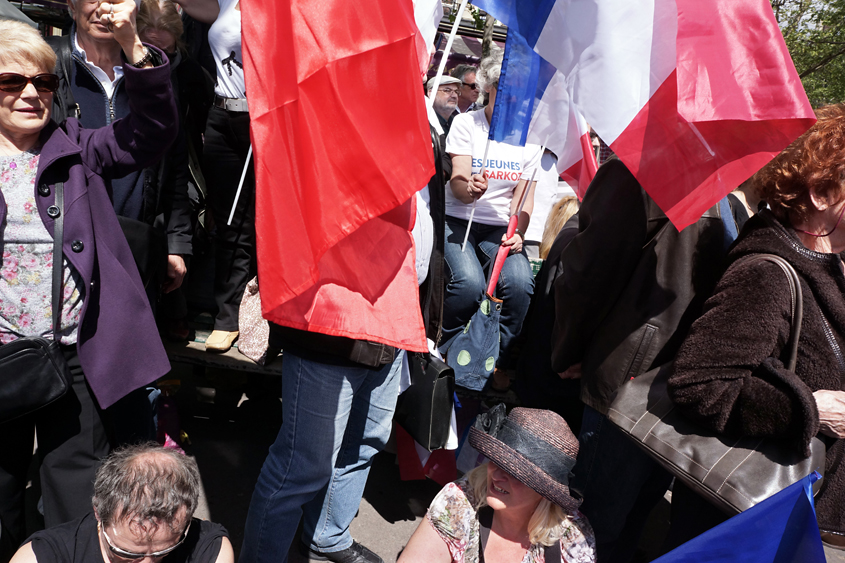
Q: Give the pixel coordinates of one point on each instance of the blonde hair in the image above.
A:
(560, 214)
(545, 527)
(161, 15)
(20, 42)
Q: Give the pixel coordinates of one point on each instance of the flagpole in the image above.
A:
(240, 185)
(446, 52)
(474, 201)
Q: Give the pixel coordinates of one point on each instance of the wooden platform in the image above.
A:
(193, 352)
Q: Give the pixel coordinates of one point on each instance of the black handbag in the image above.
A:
(732, 473)
(424, 410)
(33, 370)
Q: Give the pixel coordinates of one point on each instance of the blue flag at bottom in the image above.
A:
(781, 529)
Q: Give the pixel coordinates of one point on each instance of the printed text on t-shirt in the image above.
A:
(499, 169)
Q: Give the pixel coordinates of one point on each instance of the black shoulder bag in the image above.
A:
(33, 370)
(732, 473)
(424, 410)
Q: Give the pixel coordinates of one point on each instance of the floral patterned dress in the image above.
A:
(453, 517)
(26, 280)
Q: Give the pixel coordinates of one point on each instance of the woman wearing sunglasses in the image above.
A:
(106, 330)
(144, 501)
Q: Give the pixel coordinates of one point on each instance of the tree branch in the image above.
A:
(821, 63)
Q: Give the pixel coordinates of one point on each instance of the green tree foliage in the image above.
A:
(813, 30)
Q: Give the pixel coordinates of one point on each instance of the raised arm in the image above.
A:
(142, 137)
(204, 11)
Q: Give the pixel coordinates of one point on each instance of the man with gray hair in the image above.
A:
(446, 100)
(144, 501)
(469, 87)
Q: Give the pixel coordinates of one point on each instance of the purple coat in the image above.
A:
(119, 346)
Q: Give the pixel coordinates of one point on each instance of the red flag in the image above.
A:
(694, 96)
(733, 102)
(341, 144)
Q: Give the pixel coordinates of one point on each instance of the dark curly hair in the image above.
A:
(816, 159)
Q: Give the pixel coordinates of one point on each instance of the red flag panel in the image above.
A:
(340, 138)
(733, 103)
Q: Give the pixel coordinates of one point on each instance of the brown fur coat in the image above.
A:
(729, 374)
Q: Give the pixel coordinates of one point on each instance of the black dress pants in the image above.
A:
(224, 155)
(72, 440)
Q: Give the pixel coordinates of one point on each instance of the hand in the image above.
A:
(515, 242)
(831, 406)
(176, 271)
(573, 372)
(476, 186)
(119, 17)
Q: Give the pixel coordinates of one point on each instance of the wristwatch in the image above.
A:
(520, 233)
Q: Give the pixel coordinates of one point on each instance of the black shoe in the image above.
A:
(356, 553)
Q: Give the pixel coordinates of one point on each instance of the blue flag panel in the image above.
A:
(522, 82)
(781, 529)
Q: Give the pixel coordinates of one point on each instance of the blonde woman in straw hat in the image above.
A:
(516, 507)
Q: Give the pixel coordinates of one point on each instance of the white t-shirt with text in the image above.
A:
(505, 166)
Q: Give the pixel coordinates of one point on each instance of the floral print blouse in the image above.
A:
(453, 517)
(26, 269)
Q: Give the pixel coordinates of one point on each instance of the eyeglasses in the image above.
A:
(449, 91)
(12, 82)
(472, 86)
(123, 554)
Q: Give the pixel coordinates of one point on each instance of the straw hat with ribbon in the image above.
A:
(534, 446)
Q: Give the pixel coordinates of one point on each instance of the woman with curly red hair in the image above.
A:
(729, 374)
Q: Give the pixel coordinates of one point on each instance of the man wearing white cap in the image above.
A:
(446, 99)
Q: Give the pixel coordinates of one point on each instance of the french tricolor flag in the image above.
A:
(694, 96)
(533, 105)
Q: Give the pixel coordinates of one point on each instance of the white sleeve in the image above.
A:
(531, 156)
(459, 140)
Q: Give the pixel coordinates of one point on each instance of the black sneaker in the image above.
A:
(356, 553)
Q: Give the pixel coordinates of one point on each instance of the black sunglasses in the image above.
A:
(472, 86)
(11, 82)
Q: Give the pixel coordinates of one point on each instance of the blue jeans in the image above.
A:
(468, 281)
(335, 419)
(620, 485)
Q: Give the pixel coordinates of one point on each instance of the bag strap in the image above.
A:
(552, 553)
(797, 305)
(58, 258)
(63, 99)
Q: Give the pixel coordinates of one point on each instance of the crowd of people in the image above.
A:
(116, 145)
